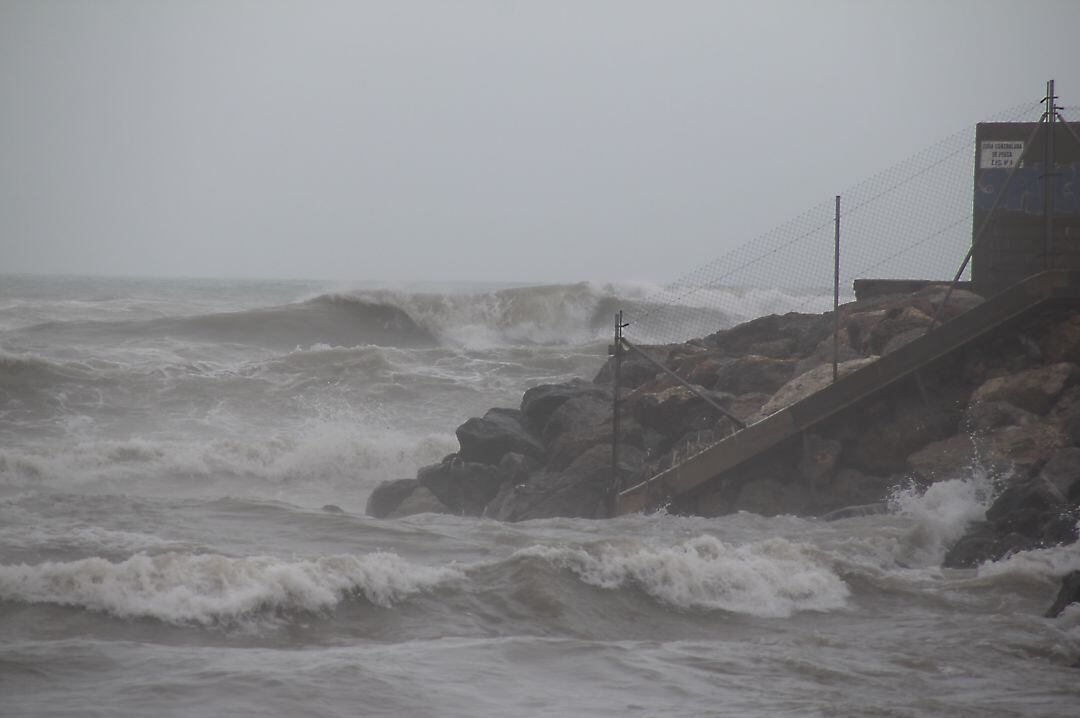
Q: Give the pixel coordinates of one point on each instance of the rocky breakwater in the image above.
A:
(1008, 405)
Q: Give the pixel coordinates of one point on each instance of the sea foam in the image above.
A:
(208, 589)
(774, 578)
(941, 515)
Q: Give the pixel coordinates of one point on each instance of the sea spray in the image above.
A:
(941, 515)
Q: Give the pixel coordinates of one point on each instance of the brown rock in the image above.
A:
(1061, 341)
(896, 321)
(1035, 390)
(753, 373)
(946, 459)
(803, 386)
(985, 416)
(1022, 447)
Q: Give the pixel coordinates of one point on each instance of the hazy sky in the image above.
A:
(500, 140)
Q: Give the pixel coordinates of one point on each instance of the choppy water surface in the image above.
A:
(166, 450)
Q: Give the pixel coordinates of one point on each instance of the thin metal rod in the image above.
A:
(836, 297)
(982, 230)
(1048, 176)
(616, 482)
(736, 420)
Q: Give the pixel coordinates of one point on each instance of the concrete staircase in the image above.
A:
(712, 464)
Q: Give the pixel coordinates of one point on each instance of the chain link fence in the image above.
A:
(911, 221)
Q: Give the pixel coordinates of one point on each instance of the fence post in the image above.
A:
(836, 296)
(616, 352)
(1048, 174)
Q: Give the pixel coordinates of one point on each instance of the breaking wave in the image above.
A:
(774, 578)
(213, 589)
(561, 314)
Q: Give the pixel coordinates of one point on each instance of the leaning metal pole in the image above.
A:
(686, 385)
(982, 230)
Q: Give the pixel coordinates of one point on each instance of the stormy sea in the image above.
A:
(184, 466)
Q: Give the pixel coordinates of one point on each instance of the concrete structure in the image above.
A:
(1012, 236)
(702, 473)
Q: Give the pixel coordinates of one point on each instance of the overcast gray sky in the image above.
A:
(499, 140)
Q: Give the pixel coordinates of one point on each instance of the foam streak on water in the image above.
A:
(167, 448)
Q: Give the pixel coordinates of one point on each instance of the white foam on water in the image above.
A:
(774, 578)
(88, 539)
(1045, 565)
(330, 457)
(181, 588)
(940, 516)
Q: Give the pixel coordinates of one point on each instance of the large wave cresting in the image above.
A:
(184, 466)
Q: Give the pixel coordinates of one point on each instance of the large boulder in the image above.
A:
(634, 369)
(677, 411)
(823, 354)
(753, 373)
(540, 402)
(803, 386)
(464, 487)
(500, 432)
(1068, 594)
(946, 459)
(780, 336)
(1061, 341)
(388, 495)
(896, 322)
(983, 417)
(982, 543)
(1020, 449)
(1035, 390)
(420, 501)
(582, 490)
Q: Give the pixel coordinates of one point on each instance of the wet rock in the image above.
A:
(1021, 448)
(635, 369)
(1034, 390)
(850, 487)
(464, 487)
(753, 374)
(540, 402)
(677, 411)
(902, 339)
(333, 509)
(803, 386)
(946, 459)
(896, 322)
(818, 458)
(388, 495)
(1061, 341)
(1068, 594)
(1062, 474)
(420, 501)
(581, 491)
(984, 417)
(823, 354)
(1067, 412)
(984, 543)
(501, 431)
(892, 429)
(779, 336)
